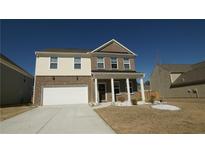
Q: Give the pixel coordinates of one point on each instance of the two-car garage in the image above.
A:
(60, 95)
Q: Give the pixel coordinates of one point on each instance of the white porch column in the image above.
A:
(96, 90)
(112, 89)
(128, 90)
(142, 89)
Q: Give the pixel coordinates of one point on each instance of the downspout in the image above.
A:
(160, 84)
(34, 89)
(34, 86)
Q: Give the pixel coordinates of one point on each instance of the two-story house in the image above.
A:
(70, 76)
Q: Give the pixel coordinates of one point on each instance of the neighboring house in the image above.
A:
(179, 80)
(16, 84)
(69, 76)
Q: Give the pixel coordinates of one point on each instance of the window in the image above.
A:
(114, 62)
(126, 63)
(53, 62)
(117, 87)
(100, 62)
(77, 63)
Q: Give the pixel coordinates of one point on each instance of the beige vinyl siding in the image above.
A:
(65, 67)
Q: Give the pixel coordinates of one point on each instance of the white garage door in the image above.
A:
(65, 95)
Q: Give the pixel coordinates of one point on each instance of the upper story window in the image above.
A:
(53, 62)
(127, 63)
(100, 62)
(77, 63)
(114, 62)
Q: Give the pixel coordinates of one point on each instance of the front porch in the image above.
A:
(116, 87)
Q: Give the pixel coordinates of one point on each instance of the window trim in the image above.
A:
(126, 63)
(77, 63)
(53, 62)
(100, 63)
(111, 63)
(119, 88)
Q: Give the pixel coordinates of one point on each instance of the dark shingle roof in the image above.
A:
(8, 60)
(117, 71)
(11, 62)
(198, 65)
(75, 50)
(176, 67)
(196, 75)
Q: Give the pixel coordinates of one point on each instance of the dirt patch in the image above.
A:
(8, 112)
(144, 119)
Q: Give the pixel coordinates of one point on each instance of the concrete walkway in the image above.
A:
(70, 119)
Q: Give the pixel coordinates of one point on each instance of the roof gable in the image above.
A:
(113, 46)
(191, 76)
(195, 75)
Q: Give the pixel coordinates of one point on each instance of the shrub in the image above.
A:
(121, 99)
(138, 96)
(134, 102)
(152, 98)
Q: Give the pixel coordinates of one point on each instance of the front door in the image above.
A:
(101, 89)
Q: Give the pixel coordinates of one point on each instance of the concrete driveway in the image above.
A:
(71, 119)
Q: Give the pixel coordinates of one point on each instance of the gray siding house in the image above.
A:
(175, 81)
(16, 84)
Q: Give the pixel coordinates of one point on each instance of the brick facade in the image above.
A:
(42, 81)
